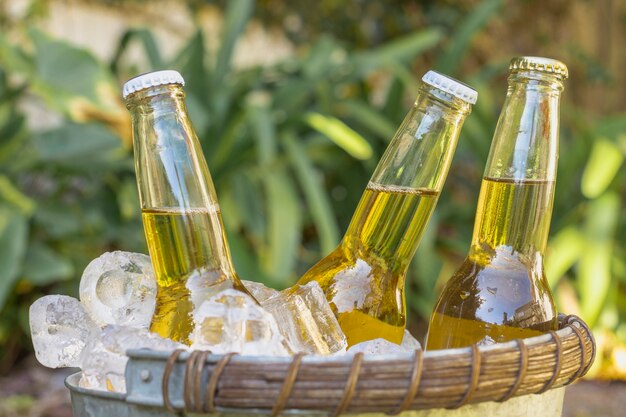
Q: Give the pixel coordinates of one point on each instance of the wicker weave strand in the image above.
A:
(348, 391)
(197, 389)
(523, 367)
(558, 353)
(473, 381)
(190, 367)
(583, 356)
(169, 365)
(571, 320)
(414, 383)
(285, 390)
(212, 384)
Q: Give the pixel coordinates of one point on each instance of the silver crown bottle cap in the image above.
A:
(451, 86)
(152, 79)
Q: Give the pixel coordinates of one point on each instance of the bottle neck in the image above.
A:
(401, 196)
(517, 192)
(170, 166)
(180, 210)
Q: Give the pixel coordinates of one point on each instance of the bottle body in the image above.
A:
(181, 216)
(363, 278)
(500, 292)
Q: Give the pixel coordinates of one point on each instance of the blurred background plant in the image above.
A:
(294, 106)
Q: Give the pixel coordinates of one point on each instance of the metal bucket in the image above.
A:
(144, 398)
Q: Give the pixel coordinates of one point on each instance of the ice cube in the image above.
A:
(376, 347)
(104, 359)
(119, 288)
(409, 343)
(306, 319)
(486, 341)
(260, 291)
(204, 283)
(60, 327)
(232, 322)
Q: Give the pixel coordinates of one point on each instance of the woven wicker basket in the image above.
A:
(383, 384)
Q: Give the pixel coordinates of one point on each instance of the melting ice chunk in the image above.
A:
(232, 322)
(104, 359)
(409, 343)
(306, 319)
(377, 347)
(60, 328)
(119, 288)
(384, 347)
(260, 291)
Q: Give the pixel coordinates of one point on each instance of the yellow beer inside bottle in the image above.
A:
(365, 274)
(180, 213)
(500, 292)
(363, 278)
(503, 272)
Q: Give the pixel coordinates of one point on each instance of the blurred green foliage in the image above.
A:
(290, 146)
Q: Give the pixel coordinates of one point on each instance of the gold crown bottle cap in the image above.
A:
(451, 86)
(152, 79)
(536, 63)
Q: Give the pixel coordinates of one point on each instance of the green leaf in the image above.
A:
(44, 266)
(603, 164)
(15, 59)
(128, 199)
(13, 240)
(72, 80)
(12, 195)
(262, 126)
(79, 145)
(448, 62)
(401, 50)
(237, 14)
(343, 136)
(314, 192)
(284, 225)
(594, 274)
(247, 195)
(425, 267)
(190, 61)
(371, 118)
(564, 250)
(145, 37)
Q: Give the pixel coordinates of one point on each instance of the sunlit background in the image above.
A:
(294, 101)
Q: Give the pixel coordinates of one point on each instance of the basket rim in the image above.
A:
(360, 384)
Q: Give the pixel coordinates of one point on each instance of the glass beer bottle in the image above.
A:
(363, 278)
(500, 292)
(181, 216)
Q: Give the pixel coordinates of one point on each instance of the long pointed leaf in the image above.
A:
(145, 37)
(449, 61)
(594, 275)
(13, 240)
(316, 197)
(237, 14)
(284, 225)
(343, 136)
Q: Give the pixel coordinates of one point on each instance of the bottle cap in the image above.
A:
(451, 86)
(536, 63)
(151, 79)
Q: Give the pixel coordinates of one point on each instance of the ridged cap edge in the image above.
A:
(451, 86)
(151, 79)
(536, 63)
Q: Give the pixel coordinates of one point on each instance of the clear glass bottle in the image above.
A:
(363, 278)
(181, 216)
(500, 292)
